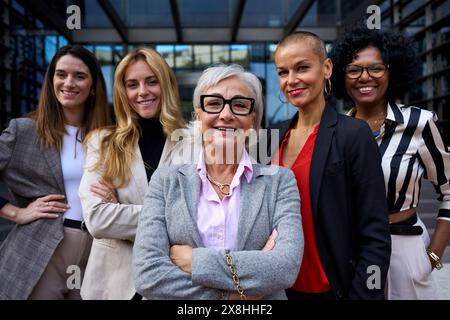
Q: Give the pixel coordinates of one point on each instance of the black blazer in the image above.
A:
(349, 206)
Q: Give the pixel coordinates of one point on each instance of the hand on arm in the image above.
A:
(270, 244)
(47, 207)
(181, 256)
(105, 192)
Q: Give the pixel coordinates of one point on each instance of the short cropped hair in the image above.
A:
(316, 41)
(213, 75)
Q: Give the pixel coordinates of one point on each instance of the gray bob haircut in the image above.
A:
(213, 75)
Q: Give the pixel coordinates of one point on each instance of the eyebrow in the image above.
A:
(297, 63)
(76, 72)
(219, 95)
(370, 64)
(148, 78)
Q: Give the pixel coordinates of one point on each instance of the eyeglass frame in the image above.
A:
(366, 69)
(225, 102)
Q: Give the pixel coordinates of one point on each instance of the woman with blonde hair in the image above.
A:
(120, 162)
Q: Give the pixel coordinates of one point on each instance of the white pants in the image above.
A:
(409, 276)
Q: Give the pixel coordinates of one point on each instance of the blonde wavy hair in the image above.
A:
(116, 153)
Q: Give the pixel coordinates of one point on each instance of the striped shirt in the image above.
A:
(411, 148)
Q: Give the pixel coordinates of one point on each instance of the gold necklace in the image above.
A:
(378, 121)
(221, 186)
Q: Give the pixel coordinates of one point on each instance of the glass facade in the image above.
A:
(187, 31)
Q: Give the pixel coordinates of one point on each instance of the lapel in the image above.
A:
(283, 127)
(320, 153)
(53, 159)
(166, 153)
(139, 176)
(252, 196)
(190, 184)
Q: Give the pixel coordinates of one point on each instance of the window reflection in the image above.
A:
(220, 54)
(202, 55)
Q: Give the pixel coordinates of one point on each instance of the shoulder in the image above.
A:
(22, 128)
(96, 137)
(351, 124)
(425, 115)
(352, 129)
(416, 116)
(23, 124)
(171, 172)
(273, 173)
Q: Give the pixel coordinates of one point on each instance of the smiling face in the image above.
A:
(72, 83)
(225, 128)
(301, 73)
(366, 90)
(143, 90)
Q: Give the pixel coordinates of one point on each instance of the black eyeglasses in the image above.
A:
(240, 106)
(376, 70)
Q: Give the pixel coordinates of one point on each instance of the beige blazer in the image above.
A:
(109, 270)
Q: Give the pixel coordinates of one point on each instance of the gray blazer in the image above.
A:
(30, 171)
(169, 217)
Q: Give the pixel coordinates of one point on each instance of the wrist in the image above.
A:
(9, 212)
(434, 259)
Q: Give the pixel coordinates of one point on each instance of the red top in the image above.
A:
(312, 277)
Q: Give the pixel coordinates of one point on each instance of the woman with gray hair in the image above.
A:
(199, 235)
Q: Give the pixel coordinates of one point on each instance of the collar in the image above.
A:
(394, 113)
(245, 167)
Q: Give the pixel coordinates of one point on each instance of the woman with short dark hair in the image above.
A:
(337, 167)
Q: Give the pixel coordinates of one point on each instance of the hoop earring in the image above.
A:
(327, 92)
(279, 97)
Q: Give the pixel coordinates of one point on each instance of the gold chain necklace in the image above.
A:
(221, 186)
(378, 121)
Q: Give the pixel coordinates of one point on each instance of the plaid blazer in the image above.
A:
(30, 170)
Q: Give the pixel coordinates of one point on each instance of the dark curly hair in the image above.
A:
(396, 50)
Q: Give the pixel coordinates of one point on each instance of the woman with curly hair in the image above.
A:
(372, 69)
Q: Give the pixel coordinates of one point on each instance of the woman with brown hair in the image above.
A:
(119, 164)
(41, 162)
